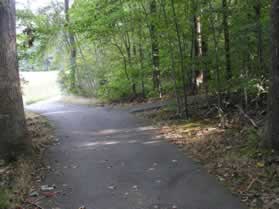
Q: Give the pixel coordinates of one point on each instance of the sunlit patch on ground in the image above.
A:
(110, 137)
(114, 132)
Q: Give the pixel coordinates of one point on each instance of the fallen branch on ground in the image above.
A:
(247, 117)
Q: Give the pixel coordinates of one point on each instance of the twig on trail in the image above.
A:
(45, 195)
(33, 204)
(251, 184)
(247, 117)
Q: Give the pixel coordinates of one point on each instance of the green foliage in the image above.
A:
(114, 41)
(40, 37)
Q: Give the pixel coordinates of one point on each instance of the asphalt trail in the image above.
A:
(109, 159)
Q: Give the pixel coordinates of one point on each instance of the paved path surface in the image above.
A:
(108, 159)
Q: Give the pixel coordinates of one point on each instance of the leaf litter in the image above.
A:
(20, 179)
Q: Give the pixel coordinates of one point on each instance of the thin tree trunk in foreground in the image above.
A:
(273, 130)
(12, 119)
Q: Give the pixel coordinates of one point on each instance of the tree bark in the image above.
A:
(273, 130)
(13, 138)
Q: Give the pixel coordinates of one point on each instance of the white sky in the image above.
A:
(34, 4)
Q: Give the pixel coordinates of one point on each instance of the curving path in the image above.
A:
(108, 159)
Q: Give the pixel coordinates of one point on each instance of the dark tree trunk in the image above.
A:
(73, 50)
(206, 75)
(182, 65)
(129, 60)
(227, 40)
(12, 119)
(273, 130)
(141, 57)
(155, 48)
(259, 31)
(216, 62)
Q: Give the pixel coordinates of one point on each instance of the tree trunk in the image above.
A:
(141, 57)
(172, 57)
(197, 73)
(217, 65)
(206, 74)
(73, 50)
(182, 65)
(129, 61)
(273, 130)
(155, 48)
(198, 47)
(141, 60)
(259, 31)
(227, 40)
(13, 132)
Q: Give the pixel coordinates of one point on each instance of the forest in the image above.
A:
(135, 50)
(215, 63)
(131, 49)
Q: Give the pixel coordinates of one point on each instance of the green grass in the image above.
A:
(4, 200)
(39, 86)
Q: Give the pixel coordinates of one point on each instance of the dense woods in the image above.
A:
(129, 49)
(179, 48)
(133, 50)
(140, 49)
